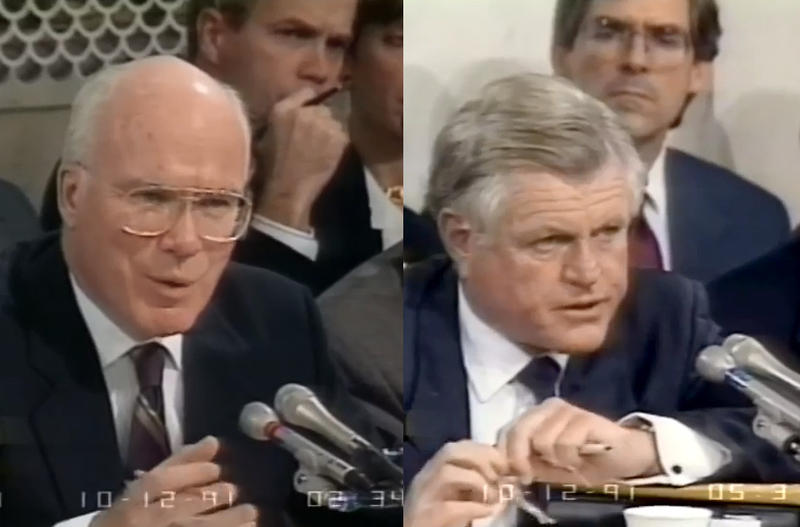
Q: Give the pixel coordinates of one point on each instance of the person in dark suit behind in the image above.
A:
(17, 218)
(528, 341)
(129, 335)
(762, 299)
(688, 226)
(321, 204)
(364, 323)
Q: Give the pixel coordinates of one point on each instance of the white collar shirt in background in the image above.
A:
(655, 208)
(385, 216)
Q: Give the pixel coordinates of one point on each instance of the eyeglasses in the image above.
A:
(665, 45)
(217, 215)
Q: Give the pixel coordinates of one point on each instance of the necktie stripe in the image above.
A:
(149, 440)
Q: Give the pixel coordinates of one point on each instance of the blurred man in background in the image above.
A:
(647, 59)
(322, 205)
(533, 338)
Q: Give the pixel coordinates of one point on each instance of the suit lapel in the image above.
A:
(439, 412)
(694, 221)
(74, 423)
(216, 379)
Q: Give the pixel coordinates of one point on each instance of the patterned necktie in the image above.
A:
(149, 443)
(644, 250)
(540, 377)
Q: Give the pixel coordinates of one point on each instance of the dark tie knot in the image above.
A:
(540, 376)
(149, 361)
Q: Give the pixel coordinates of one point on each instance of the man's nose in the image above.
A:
(582, 267)
(634, 53)
(182, 239)
(318, 66)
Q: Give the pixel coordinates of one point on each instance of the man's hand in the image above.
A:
(458, 485)
(544, 443)
(182, 490)
(298, 156)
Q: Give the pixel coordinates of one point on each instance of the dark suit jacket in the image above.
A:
(647, 365)
(17, 218)
(341, 221)
(762, 299)
(717, 220)
(363, 319)
(58, 448)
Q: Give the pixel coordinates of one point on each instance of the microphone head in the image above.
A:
(289, 398)
(254, 418)
(713, 362)
(749, 353)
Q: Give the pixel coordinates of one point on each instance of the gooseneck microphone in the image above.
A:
(751, 355)
(258, 421)
(299, 406)
(717, 364)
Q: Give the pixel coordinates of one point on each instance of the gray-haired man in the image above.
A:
(532, 341)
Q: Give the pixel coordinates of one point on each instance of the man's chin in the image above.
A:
(169, 321)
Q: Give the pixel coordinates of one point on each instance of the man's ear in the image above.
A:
(701, 77)
(212, 29)
(70, 184)
(459, 238)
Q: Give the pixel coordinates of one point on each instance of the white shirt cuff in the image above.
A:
(299, 241)
(79, 521)
(685, 455)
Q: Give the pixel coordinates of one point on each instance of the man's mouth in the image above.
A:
(584, 305)
(172, 283)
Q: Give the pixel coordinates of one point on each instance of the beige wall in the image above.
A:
(30, 143)
(750, 125)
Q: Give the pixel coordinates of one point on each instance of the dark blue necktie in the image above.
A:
(540, 376)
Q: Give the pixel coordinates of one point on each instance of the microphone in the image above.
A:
(299, 406)
(750, 354)
(258, 421)
(718, 365)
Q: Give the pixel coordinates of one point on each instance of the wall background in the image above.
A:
(750, 123)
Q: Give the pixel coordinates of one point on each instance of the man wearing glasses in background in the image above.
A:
(646, 59)
(128, 334)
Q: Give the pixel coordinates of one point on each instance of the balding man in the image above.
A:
(129, 335)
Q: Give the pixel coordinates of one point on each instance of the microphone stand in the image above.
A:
(322, 492)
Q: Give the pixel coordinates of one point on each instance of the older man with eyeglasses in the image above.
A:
(129, 335)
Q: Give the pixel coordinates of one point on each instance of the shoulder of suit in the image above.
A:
(257, 280)
(722, 180)
(420, 278)
(661, 291)
(772, 270)
(375, 275)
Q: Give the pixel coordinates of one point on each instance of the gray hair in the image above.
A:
(97, 90)
(524, 122)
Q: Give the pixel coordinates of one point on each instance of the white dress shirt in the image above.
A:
(112, 346)
(385, 216)
(495, 399)
(655, 208)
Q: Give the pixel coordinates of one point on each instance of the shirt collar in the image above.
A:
(491, 359)
(383, 211)
(656, 190)
(111, 342)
